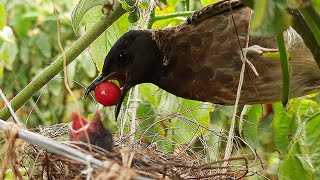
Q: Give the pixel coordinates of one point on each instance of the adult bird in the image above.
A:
(201, 59)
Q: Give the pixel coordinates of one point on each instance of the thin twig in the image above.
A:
(14, 116)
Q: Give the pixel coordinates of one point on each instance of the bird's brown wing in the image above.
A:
(213, 10)
(203, 59)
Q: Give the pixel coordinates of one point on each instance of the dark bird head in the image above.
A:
(133, 59)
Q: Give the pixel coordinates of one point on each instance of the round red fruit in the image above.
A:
(107, 93)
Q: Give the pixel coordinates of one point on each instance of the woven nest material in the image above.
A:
(125, 162)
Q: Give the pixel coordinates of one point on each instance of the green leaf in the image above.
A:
(81, 9)
(316, 5)
(313, 142)
(6, 34)
(2, 16)
(282, 127)
(146, 115)
(250, 130)
(173, 3)
(312, 18)
(44, 47)
(269, 18)
(208, 2)
(151, 93)
(87, 65)
(101, 46)
(194, 116)
(295, 165)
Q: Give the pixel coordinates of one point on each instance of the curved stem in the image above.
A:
(168, 16)
(172, 15)
(74, 51)
(285, 69)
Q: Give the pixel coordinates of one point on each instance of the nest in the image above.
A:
(127, 161)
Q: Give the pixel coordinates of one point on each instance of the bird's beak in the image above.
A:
(95, 83)
(102, 78)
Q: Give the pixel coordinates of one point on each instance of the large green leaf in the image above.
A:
(81, 9)
(146, 115)
(295, 165)
(101, 46)
(282, 127)
(151, 93)
(250, 129)
(192, 116)
(313, 142)
(269, 17)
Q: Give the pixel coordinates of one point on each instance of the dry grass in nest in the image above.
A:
(136, 161)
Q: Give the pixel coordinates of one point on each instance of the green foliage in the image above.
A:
(81, 9)
(295, 165)
(100, 47)
(207, 2)
(250, 130)
(269, 17)
(2, 16)
(287, 140)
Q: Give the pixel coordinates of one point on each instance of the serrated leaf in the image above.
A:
(312, 140)
(295, 165)
(81, 9)
(250, 129)
(282, 122)
(269, 18)
(101, 46)
(2, 16)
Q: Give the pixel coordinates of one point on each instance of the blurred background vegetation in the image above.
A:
(286, 140)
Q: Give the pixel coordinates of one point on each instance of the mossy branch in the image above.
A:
(74, 51)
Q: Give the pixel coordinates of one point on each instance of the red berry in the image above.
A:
(107, 93)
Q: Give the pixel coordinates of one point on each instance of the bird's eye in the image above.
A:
(123, 57)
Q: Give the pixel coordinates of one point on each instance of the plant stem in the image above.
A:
(74, 51)
(285, 69)
(155, 18)
(186, 5)
(172, 15)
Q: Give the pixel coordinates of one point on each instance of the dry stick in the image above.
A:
(55, 146)
(65, 79)
(14, 116)
(134, 113)
(228, 150)
(10, 159)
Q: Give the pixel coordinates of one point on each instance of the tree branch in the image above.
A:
(74, 51)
